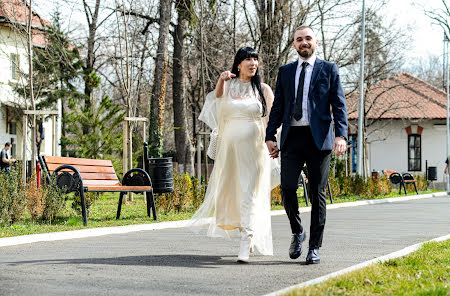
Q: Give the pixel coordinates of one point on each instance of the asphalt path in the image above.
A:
(178, 262)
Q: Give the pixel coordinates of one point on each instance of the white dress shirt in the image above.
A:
(304, 121)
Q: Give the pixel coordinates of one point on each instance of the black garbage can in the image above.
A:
(161, 174)
(432, 173)
(160, 170)
(375, 175)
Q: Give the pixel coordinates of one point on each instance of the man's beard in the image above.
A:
(306, 53)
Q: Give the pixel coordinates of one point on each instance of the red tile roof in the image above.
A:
(16, 11)
(402, 96)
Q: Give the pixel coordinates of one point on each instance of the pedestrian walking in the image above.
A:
(306, 91)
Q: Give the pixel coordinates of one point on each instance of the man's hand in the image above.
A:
(273, 149)
(339, 146)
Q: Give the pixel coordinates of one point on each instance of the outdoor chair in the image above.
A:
(396, 178)
(409, 179)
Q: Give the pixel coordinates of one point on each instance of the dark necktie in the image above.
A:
(299, 97)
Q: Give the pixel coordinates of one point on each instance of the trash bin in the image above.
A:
(375, 175)
(432, 173)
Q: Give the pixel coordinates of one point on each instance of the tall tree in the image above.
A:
(57, 71)
(158, 97)
(184, 148)
(272, 31)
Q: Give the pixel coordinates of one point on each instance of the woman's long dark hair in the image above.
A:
(242, 54)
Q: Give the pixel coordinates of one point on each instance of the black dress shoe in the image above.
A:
(295, 250)
(313, 256)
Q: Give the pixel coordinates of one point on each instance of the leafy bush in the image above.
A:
(35, 203)
(12, 195)
(89, 197)
(188, 195)
(335, 185)
(198, 192)
(54, 200)
(275, 196)
(181, 197)
(422, 182)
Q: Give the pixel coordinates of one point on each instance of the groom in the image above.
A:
(304, 93)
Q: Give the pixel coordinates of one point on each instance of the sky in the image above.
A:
(426, 39)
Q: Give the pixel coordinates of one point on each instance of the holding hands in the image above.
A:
(273, 149)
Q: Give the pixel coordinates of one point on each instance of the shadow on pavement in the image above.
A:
(185, 260)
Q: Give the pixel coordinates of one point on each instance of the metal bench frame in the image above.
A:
(70, 179)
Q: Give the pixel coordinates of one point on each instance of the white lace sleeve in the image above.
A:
(209, 111)
(209, 114)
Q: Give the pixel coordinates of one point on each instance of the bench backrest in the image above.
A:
(388, 173)
(94, 172)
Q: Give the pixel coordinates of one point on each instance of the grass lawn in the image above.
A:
(103, 214)
(424, 272)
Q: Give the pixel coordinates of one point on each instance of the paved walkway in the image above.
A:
(177, 262)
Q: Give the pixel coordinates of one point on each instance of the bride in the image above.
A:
(238, 194)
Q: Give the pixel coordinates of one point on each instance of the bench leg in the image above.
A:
(329, 191)
(83, 207)
(119, 207)
(151, 203)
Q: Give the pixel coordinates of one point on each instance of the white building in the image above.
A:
(406, 126)
(13, 63)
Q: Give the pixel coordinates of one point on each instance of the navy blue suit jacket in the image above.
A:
(325, 97)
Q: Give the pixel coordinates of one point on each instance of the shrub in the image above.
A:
(89, 197)
(275, 196)
(382, 185)
(335, 185)
(421, 182)
(54, 200)
(181, 197)
(12, 195)
(198, 192)
(35, 203)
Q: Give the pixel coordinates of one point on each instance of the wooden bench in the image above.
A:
(94, 175)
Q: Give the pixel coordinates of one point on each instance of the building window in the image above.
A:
(353, 151)
(13, 147)
(12, 128)
(15, 69)
(414, 152)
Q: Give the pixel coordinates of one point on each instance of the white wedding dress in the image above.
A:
(238, 193)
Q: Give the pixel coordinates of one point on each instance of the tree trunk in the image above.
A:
(159, 85)
(92, 19)
(184, 148)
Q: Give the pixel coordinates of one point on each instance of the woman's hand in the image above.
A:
(224, 76)
(227, 75)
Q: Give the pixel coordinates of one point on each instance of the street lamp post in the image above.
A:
(447, 73)
(360, 141)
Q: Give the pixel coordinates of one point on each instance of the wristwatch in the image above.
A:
(342, 137)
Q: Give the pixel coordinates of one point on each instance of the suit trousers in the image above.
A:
(298, 149)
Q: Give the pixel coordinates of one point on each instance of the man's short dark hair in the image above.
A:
(302, 27)
(7, 144)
